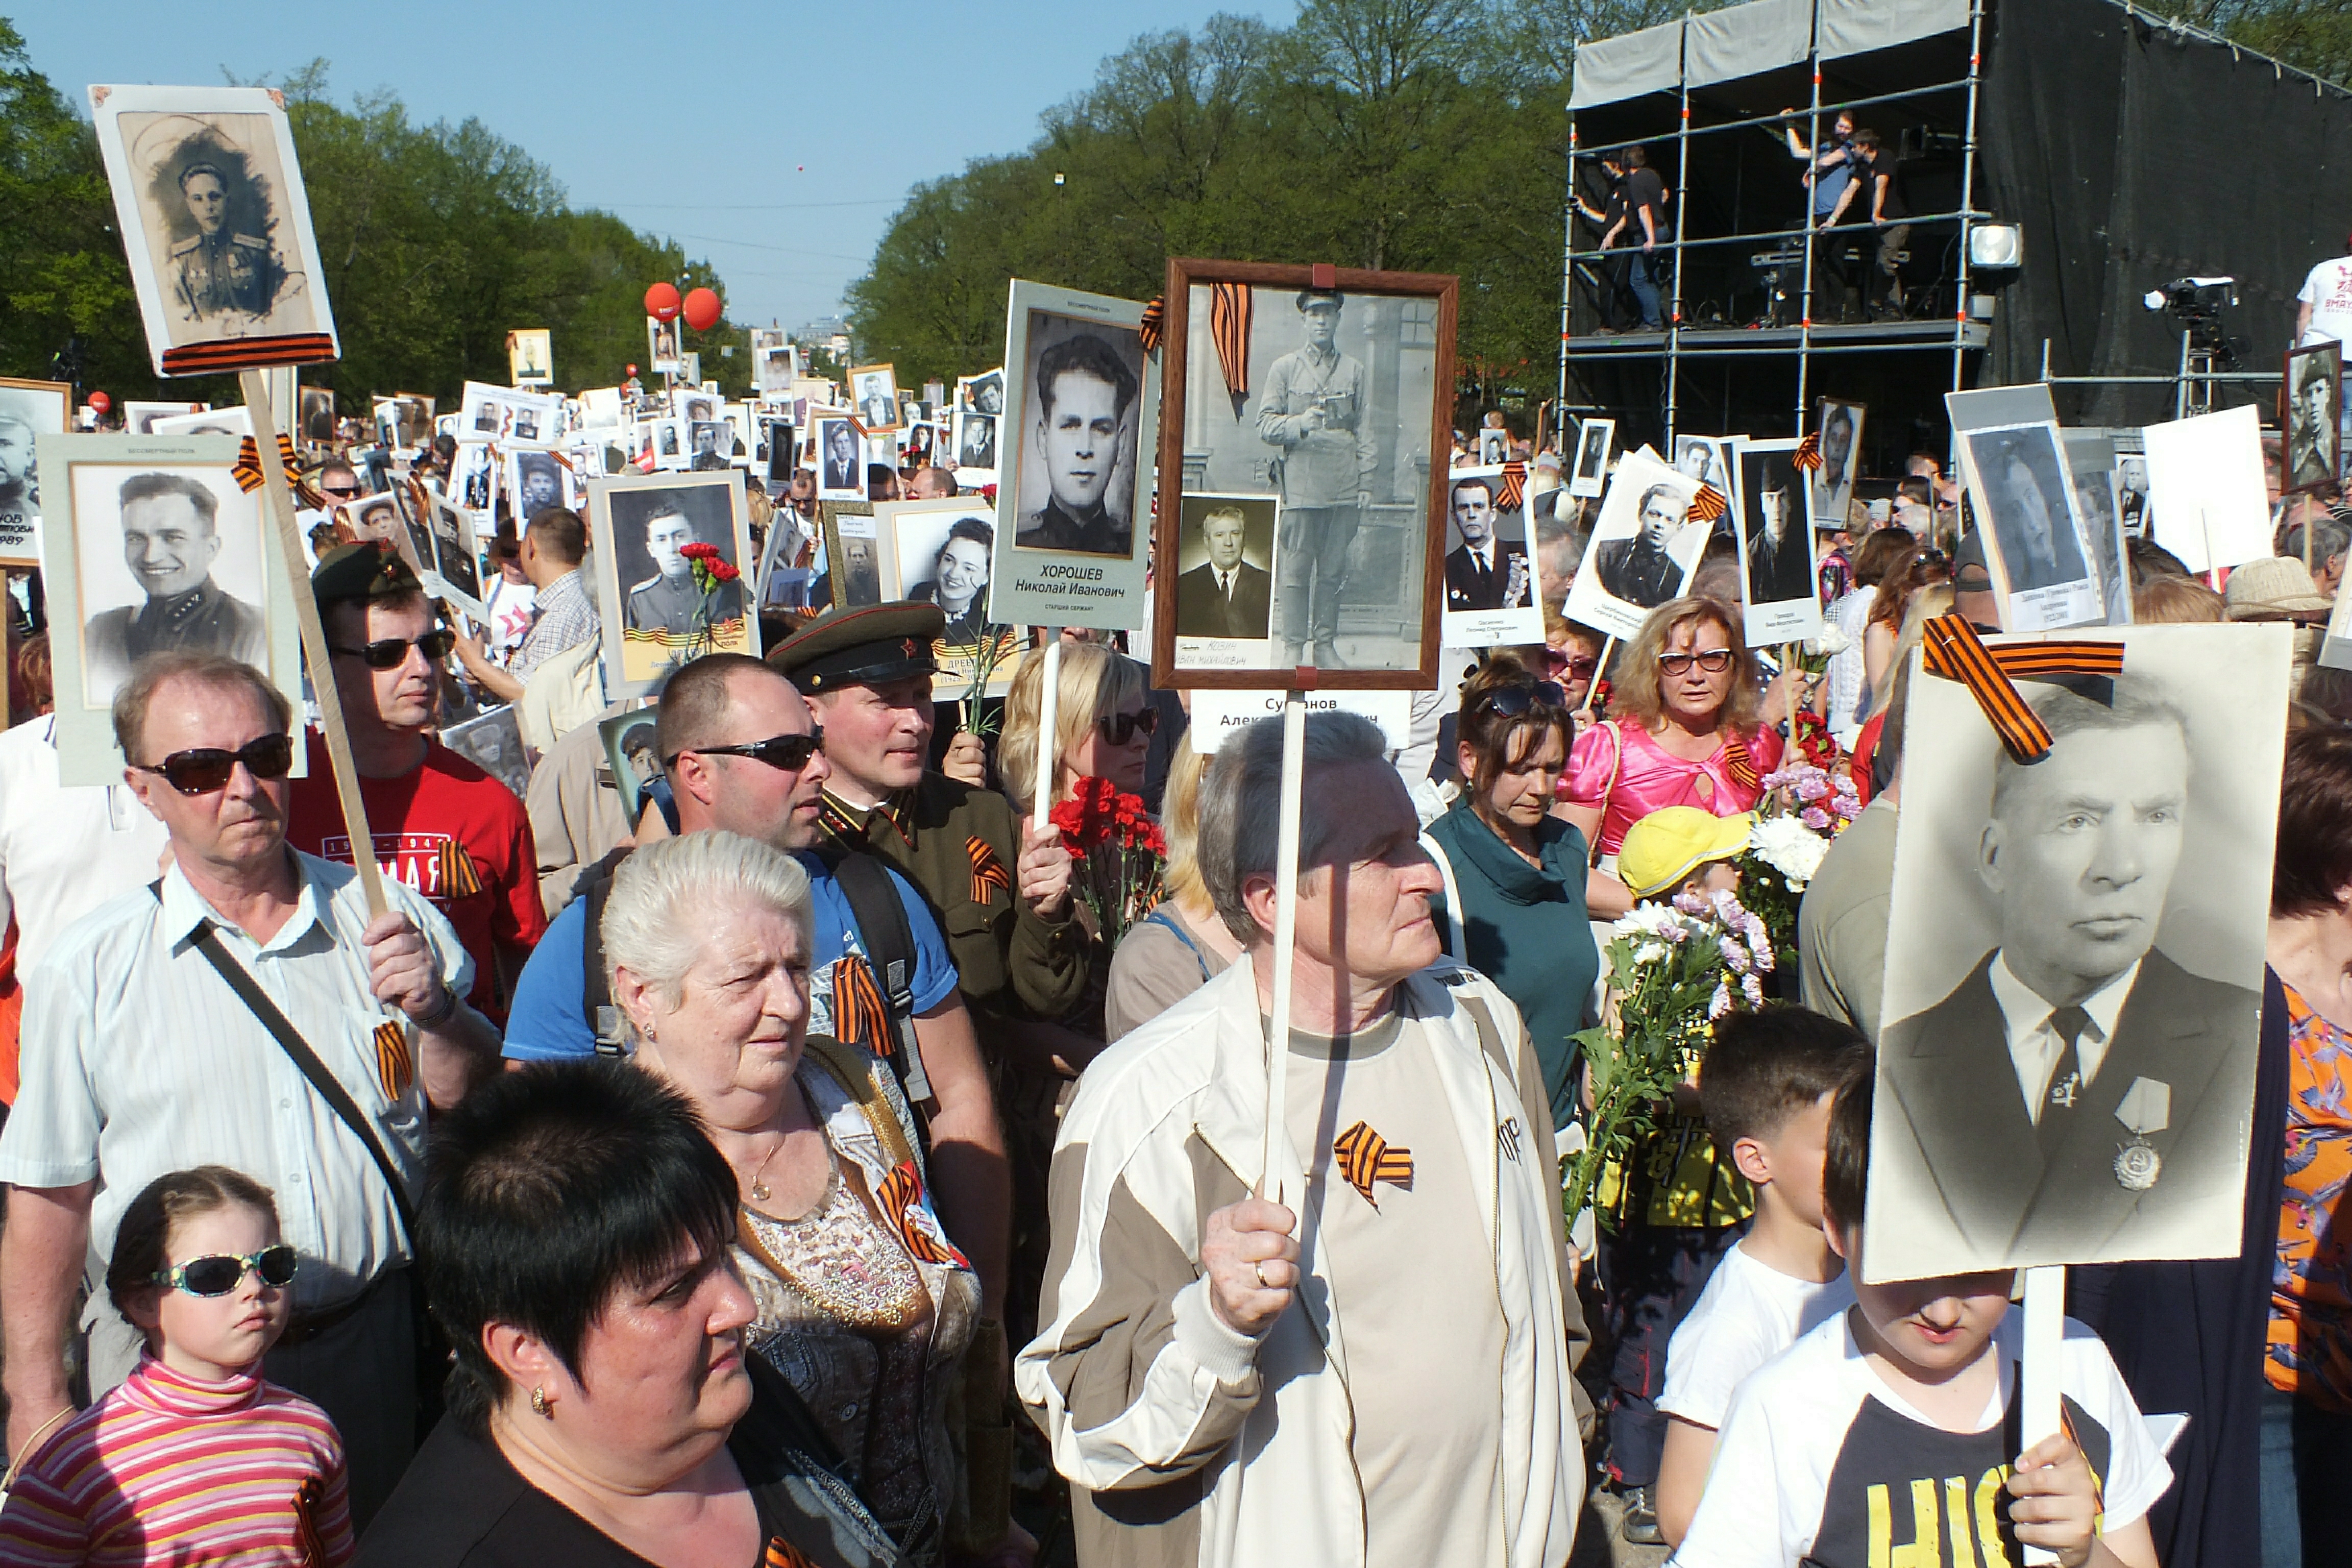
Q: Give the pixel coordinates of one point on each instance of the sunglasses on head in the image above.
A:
(1118, 728)
(1715, 661)
(208, 768)
(391, 653)
(1523, 697)
(786, 754)
(221, 1273)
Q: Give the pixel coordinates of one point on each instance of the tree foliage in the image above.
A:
(435, 241)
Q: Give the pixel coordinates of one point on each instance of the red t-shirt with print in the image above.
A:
(450, 831)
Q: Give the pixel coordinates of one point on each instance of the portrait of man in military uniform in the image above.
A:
(1082, 439)
(220, 271)
(1312, 415)
(167, 527)
(668, 601)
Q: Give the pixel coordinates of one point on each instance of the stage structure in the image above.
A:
(2055, 160)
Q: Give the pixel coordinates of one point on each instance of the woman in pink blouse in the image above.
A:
(1687, 729)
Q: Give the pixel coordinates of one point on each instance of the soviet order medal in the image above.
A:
(2146, 1107)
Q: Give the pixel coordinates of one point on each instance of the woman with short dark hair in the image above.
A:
(604, 1411)
(959, 581)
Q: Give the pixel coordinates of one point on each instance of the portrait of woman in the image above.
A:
(958, 580)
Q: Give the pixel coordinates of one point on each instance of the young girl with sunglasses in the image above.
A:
(194, 1458)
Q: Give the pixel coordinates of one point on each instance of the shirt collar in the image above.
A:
(2024, 1008)
(185, 910)
(844, 820)
(570, 583)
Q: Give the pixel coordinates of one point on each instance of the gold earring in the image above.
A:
(539, 1404)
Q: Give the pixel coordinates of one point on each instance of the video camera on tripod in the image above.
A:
(2195, 305)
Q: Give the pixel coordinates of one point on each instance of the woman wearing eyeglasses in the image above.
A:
(195, 1458)
(1572, 657)
(1687, 727)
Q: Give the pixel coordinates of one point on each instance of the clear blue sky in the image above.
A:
(774, 140)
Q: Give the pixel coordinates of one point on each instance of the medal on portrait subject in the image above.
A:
(2146, 1107)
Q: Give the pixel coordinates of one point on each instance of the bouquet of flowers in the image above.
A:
(1805, 805)
(1672, 971)
(1119, 851)
(712, 573)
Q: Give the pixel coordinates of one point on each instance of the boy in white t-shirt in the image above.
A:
(1766, 1087)
(1889, 1434)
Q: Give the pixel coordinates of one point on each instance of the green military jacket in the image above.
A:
(959, 846)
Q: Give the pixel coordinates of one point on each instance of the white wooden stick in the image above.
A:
(1286, 934)
(2045, 1328)
(1049, 688)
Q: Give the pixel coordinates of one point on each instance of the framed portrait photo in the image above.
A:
(235, 421)
(457, 558)
(531, 357)
(2312, 394)
(1589, 475)
(151, 546)
(647, 526)
(1331, 389)
(874, 394)
(139, 416)
(1644, 549)
(2004, 916)
(1708, 460)
(852, 552)
(631, 754)
(942, 552)
(1778, 599)
(29, 411)
(775, 363)
(840, 458)
(2044, 574)
(1490, 580)
(2091, 466)
(1831, 486)
(982, 394)
(662, 357)
(1074, 498)
(215, 227)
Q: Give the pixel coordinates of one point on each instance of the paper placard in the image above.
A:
(1217, 714)
(2205, 489)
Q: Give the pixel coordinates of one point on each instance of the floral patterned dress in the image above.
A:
(2310, 1350)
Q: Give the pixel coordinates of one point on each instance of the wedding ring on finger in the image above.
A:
(1263, 1282)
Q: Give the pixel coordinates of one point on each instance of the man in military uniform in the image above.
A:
(668, 601)
(218, 271)
(999, 887)
(1313, 412)
(170, 545)
(1086, 394)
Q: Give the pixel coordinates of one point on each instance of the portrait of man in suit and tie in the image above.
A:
(1486, 571)
(1227, 594)
(2082, 1094)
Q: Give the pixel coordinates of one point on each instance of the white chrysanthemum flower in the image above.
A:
(1789, 847)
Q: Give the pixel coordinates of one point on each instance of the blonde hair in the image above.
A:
(1096, 682)
(1637, 696)
(1179, 822)
(669, 896)
(1935, 599)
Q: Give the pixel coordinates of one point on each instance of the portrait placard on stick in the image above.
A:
(2044, 572)
(1831, 486)
(874, 394)
(1490, 581)
(1224, 581)
(2066, 1071)
(1779, 602)
(531, 357)
(2312, 400)
(29, 411)
(673, 602)
(941, 553)
(1590, 475)
(1332, 389)
(2206, 498)
(1072, 457)
(2091, 470)
(1644, 549)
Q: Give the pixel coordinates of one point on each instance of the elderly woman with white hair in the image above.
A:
(862, 1301)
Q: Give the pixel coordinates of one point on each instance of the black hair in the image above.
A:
(1765, 1066)
(561, 533)
(1085, 354)
(143, 1238)
(970, 528)
(153, 487)
(1470, 482)
(1636, 156)
(1845, 1165)
(547, 1190)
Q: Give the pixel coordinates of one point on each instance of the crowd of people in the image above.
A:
(788, 1154)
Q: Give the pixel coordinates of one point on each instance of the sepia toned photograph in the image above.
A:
(670, 610)
(1779, 602)
(531, 357)
(874, 394)
(840, 458)
(317, 415)
(28, 410)
(1644, 549)
(661, 347)
(2066, 1071)
(1590, 477)
(2017, 482)
(492, 741)
(1831, 489)
(215, 225)
(2312, 391)
(1332, 390)
(852, 554)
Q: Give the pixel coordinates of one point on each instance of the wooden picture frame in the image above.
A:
(1399, 538)
(862, 587)
(2311, 450)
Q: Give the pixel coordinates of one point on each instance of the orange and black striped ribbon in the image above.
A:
(1155, 322)
(901, 1190)
(1809, 451)
(248, 468)
(1229, 328)
(782, 1553)
(459, 878)
(394, 1068)
(1953, 650)
(307, 1540)
(1515, 487)
(1365, 1157)
(1709, 505)
(861, 1016)
(244, 353)
(1738, 764)
(987, 872)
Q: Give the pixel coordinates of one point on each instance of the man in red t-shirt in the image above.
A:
(440, 823)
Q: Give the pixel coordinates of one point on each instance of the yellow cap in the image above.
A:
(1668, 845)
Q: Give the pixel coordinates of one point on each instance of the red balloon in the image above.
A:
(632, 370)
(702, 309)
(661, 301)
(100, 402)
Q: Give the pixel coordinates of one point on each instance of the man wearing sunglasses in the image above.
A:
(442, 826)
(170, 541)
(140, 1058)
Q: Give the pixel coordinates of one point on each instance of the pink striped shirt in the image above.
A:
(168, 1468)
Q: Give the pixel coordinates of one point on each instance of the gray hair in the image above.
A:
(1241, 805)
(666, 895)
(216, 672)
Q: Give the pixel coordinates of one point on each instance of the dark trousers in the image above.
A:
(2306, 1502)
(1314, 569)
(1831, 276)
(1885, 281)
(1651, 1276)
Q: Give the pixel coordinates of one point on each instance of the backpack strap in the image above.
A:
(1161, 918)
(889, 944)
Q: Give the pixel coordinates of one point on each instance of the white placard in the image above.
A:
(1217, 714)
(2205, 489)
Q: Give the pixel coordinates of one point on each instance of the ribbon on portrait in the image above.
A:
(1709, 505)
(1365, 1157)
(1229, 330)
(1515, 487)
(1808, 455)
(1952, 649)
(246, 470)
(1155, 322)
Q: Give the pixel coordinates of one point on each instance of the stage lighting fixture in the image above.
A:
(1997, 245)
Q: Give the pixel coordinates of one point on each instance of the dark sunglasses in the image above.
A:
(1715, 661)
(391, 653)
(786, 754)
(1524, 697)
(208, 768)
(1118, 728)
(221, 1273)
(342, 492)
(1580, 665)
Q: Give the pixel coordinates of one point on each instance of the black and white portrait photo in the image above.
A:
(631, 752)
(879, 451)
(941, 552)
(1225, 589)
(1075, 468)
(1590, 477)
(235, 421)
(1490, 579)
(2017, 486)
(781, 449)
(1779, 601)
(537, 482)
(474, 476)
(1831, 488)
(774, 365)
(2090, 467)
(982, 394)
(169, 561)
(2066, 1070)
(1707, 459)
(216, 226)
(975, 441)
(2315, 409)
(317, 415)
(1643, 547)
(138, 416)
(661, 347)
(28, 409)
(456, 557)
(709, 444)
(874, 393)
(853, 558)
(492, 741)
(1493, 448)
(840, 460)
(666, 617)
